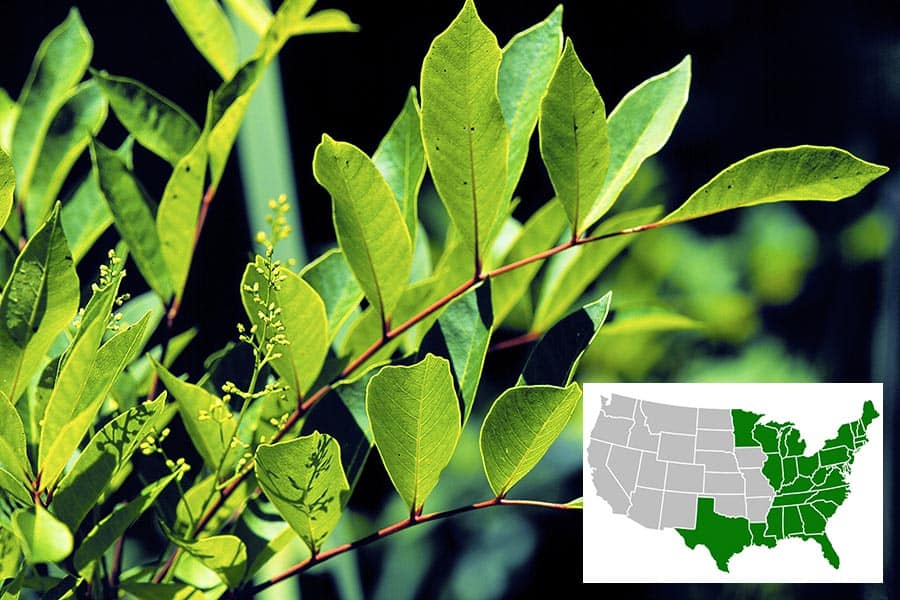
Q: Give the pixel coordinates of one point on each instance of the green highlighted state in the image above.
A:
(723, 536)
(743, 422)
(827, 549)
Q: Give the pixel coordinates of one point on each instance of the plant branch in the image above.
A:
(397, 527)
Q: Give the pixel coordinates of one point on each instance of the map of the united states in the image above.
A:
(724, 479)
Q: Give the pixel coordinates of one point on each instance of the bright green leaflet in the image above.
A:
(43, 538)
(207, 25)
(639, 127)
(798, 173)
(555, 358)
(79, 412)
(12, 440)
(462, 334)
(367, 220)
(569, 274)
(208, 421)
(79, 118)
(105, 533)
(39, 300)
(15, 487)
(577, 503)
(109, 450)
(191, 506)
(162, 591)
(519, 429)
(254, 13)
(304, 480)
(528, 63)
(574, 143)
(133, 216)
(331, 277)
(155, 122)
(59, 64)
(649, 319)
(10, 556)
(465, 135)
(415, 418)
(7, 186)
(226, 555)
(179, 209)
(9, 113)
(401, 160)
(304, 319)
(539, 233)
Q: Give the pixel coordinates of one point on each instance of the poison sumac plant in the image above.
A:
(369, 346)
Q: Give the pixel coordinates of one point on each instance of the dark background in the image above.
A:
(765, 74)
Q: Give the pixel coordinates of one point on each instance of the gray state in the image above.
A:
(623, 462)
(708, 439)
(757, 484)
(723, 462)
(730, 506)
(673, 446)
(606, 485)
(665, 417)
(641, 437)
(758, 509)
(750, 457)
(679, 510)
(619, 406)
(612, 429)
(645, 507)
(652, 473)
(684, 478)
(715, 418)
(724, 483)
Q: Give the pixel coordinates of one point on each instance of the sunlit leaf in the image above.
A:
(226, 555)
(368, 222)
(463, 128)
(207, 25)
(415, 417)
(13, 454)
(330, 276)
(519, 429)
(7, 186)
(9, 113)
(43, 538)
(648, 319)
(303, 478)
(192, 506)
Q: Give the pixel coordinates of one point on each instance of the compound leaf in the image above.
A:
(463, 128)
(574, 143)
(368, 222)
(304, 480)
(519, 429)
(415, 418)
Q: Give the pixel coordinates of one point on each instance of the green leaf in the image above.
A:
(415, 418)
(208, 420)
(7, 186)
(555, 358)
(79, 118)
(208, 27)
(572, 272)
(179, 210)
(194, 504)
(255, 13)
(302, 316)
(640, 126)
(13, 455)
(226, 555)
(529, 60)
(109, 450)
(648, 319)
(463, 129)
(112, 526)
(540, 232)
(330, 276)
(59, 64)
(367, 221)
(574, 143)
(9, 113)
(42, 537)
(130, 206)
(81, 388)
(577, 503)
(39, 301)
(519, 429)
(462, 335)
(10, 558)
(400, 158)
(304, 480)
(15, 487)
(162, 591)
(798, 173)
(157, 123)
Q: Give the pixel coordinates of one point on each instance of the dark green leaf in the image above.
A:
(519, 429)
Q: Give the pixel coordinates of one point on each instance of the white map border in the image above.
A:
(617, 549)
